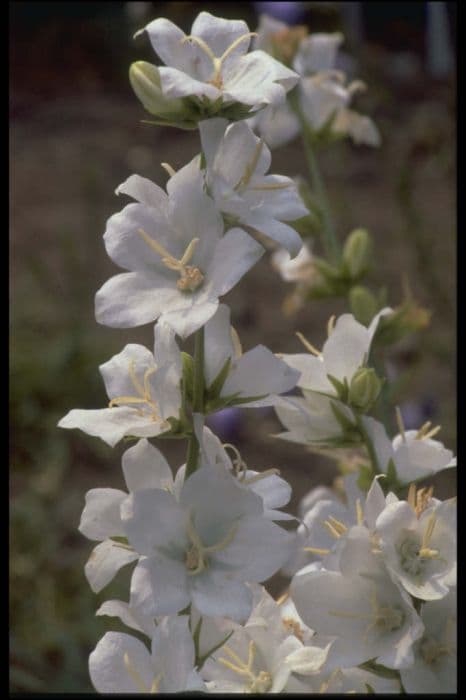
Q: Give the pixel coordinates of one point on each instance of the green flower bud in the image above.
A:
(356, 252)
(145, 81)
(364, 389)
(363, 304)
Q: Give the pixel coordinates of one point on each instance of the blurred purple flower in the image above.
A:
(415, 413)
(286, 11)
(226, 424)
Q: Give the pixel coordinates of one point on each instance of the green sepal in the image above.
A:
(365, 478)
(369, 689)
(340, 387)
(345, 423)
(178, 429)
(119, 539)
(213, 392)
(217, 404)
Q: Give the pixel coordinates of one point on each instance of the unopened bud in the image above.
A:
(356, 252)
(145, 81)
(363, 304)
(364, 389)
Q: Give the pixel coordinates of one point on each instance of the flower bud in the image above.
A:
(363, 304)
(145, 81)
(356, 252)
(364, 389)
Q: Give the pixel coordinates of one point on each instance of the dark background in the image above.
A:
(75, 134)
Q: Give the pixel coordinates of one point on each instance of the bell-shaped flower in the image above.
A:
(418, 546)
(261, 656)
(144, 392)
(274, 491)
(178, 259)
(322, 95)
(367, 615)
(435, 654)
(232, 378)
(144, 467)
(121, 663)
(236, 165)
(344, 352)
(202, 547)
(415, 455)
(212, 67)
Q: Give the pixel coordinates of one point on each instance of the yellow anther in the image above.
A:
(356, 86)
(294, 628)
(217, 62)
(136, 383)
(260, 682)
(190, 277)
(144, 391)
(135, 676)
(423, 430)
(359, 512)
(308, 345)
(331, 529)
(399, 420)
(412, 496)
(432, 432)
(202, 44)
(428, 532)
(423, 498)
(338, 525)
(233, 46)
(284, 596)
(331, 325)
(166, 166)
(261, 475)
(272, 186)
(156, 683)
(250, 167)
(317, 550)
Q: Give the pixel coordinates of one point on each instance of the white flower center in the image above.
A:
(414, 553)
(144, 397)
(196, 556)
(191, 278)
(256, 682)
(217, 62)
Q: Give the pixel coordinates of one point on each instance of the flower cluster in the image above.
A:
(371, 606)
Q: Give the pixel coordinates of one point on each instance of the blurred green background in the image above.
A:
(75, 134)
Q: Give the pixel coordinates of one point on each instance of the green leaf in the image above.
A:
(345, 423)
(340, 387)
(188, 375)
(365, 477)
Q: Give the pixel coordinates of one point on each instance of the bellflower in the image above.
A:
(414, 453)
(121, 663)
(201, 548)
(251, 379)
(435, 654)
(237, 162)
(178, 259)
(143, 388)
(211, 66)
(144, 467)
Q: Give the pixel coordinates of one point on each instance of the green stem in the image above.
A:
(192, 457)
(368, 443)
(330, 241)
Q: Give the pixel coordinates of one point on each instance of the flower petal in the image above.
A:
(101, 515)
(234, 255)
(145, 467)
(105, 561)
(218, 343)
(111, 424)
(108, 669)
(259, 372)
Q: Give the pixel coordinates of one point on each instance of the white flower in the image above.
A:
(143, 388)
(322, 95)
(251, 379)
(261, 656)
(274, 491)
(237, 162)
(298, 269)
(122, 664)
(344, 352)
(178, 259)
(212, 64)
(201, 548)
(419, 549)
(368, 616)
(435, 656)
(144, 467)
(414, 453)
(310, 419)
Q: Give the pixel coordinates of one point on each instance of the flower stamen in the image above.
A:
(308, 345)
(191, 277)
(196, 560)
(135, 676)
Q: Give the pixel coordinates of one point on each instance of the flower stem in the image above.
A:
(192, 457)
(368, 443)
(329, 237)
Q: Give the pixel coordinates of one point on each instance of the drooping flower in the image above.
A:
(178, 259)
(251, 379)
(143, 388)
(323, 97)
(121, 663)
(236, 165)
(202, 547)
(211, 67)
